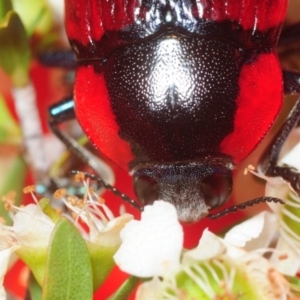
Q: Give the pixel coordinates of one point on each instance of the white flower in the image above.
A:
(31, 230)
(288, 231)
(33, 225)
(104, 227)
(103, 237)
(255, 233)
(5, 256)
(282, 227)
(150, 290)
(288, 216)
(152, 247)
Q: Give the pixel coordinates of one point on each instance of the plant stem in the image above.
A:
(126, 288)
(26, 108)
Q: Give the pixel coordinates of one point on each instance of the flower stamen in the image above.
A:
(249, 168)
(60, 193)
(79, 177)
(198, 275)
(29, 189)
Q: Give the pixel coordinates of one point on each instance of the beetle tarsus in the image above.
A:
(291, 81)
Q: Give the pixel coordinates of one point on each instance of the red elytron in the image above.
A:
(177, 92)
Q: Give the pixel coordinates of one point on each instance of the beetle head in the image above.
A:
(193, 187)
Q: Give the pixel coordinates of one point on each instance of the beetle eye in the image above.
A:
(216, 189)
(146, 189)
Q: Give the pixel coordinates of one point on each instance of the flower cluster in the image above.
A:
(230, 268)
(31, 234)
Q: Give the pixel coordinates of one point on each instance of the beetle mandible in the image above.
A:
(178, 92)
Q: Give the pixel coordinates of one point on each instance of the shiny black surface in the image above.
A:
(174, 97)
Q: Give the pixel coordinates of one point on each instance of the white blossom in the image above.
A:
(152, 246)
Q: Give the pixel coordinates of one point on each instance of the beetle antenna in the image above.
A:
(243, 206)
(111, 188)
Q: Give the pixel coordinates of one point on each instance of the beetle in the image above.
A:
(179, 92)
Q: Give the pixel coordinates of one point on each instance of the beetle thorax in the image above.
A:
(178, 91)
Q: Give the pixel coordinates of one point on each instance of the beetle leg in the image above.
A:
(291, 80)
(289, 35)
(269, 160)
(288, 47)
(64, 111)
(58, 58)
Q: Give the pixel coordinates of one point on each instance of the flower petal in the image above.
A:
(267, 282)
(254, 233)
(32, 227)
(109, 236)
(210, 246)
(4, 260)
(275, 187)
(287, 261)
(152, 246)
(149, 290)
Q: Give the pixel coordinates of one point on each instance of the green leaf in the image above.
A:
(5, 7)
(14, 51)
(12, 178)
(68, 273)
(35, 15)
(10, 132)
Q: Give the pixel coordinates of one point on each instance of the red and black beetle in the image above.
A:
(178, 92)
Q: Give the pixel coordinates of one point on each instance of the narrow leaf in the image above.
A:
(68, 273)
(14, 52)
(10, 132)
